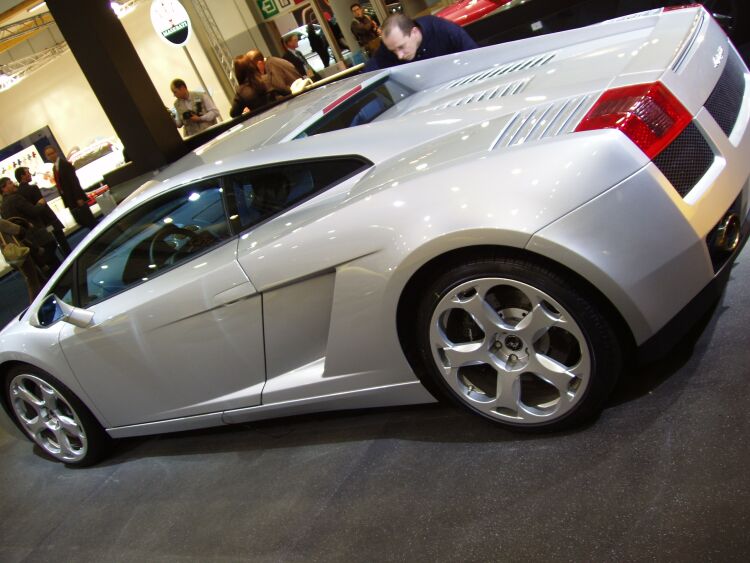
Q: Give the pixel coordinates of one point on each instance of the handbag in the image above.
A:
(14, 252)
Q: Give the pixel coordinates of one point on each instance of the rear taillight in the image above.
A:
(648, 114)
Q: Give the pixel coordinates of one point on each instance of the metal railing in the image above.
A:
(14, 71)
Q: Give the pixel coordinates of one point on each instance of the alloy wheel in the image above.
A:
(510, 350)
(48, 418)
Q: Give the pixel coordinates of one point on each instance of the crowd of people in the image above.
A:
(32, 237)
(262, 80)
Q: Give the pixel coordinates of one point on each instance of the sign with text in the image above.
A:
(268, 8)
(171, 21)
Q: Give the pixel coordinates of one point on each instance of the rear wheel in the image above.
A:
(517, 343)
(53, 417)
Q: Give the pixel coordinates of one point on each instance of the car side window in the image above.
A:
(256, 195)
(155, 237)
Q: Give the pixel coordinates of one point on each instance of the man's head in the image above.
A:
(50, 153)
(179, 89)
(7, 186)
(22, 174)
(291, 41)
(402, 36)
(357, 10)
(257, 58)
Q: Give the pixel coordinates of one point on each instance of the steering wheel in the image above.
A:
(161, 250)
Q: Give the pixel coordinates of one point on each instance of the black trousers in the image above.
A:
(62, 241)
(83, 216)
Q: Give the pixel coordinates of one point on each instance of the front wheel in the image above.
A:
(518, 343)
(54, 418)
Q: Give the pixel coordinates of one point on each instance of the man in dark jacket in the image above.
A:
(33, 195)
(318, 44)
(70, 189)
(405, 40)
(291, 54)
(15, 206)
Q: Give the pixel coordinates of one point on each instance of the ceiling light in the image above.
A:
(7, 81)
(122, 9)
(36, 7)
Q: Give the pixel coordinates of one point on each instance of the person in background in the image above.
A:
(27, 270)
(33, 195)
(291, 54)
(318, 44)
(405, 40)
(365, 30)
(195, 111)
(277, 74)
(16, 209)
(337, 33)
(70, 189)
(251, 93)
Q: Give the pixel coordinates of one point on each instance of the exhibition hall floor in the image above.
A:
(662, 475)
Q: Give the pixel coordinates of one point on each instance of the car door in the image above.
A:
(296, 312)
(177, 328)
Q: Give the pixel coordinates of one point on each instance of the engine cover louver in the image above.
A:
(479, 77)
(497, 91)
(541, 122)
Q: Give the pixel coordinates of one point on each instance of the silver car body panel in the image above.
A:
(298, 314)
(162, 352)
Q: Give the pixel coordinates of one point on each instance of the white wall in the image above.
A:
(58, 95)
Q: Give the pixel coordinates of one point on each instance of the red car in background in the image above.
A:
(466, 11)
(557, 15)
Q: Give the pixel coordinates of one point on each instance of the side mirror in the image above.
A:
(75, 316)
(54, 309)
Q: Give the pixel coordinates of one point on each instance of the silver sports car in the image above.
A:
(504, 228)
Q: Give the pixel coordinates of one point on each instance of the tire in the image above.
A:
(53, 418)
(517, 343)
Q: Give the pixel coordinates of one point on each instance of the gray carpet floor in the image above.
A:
(661, 475)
